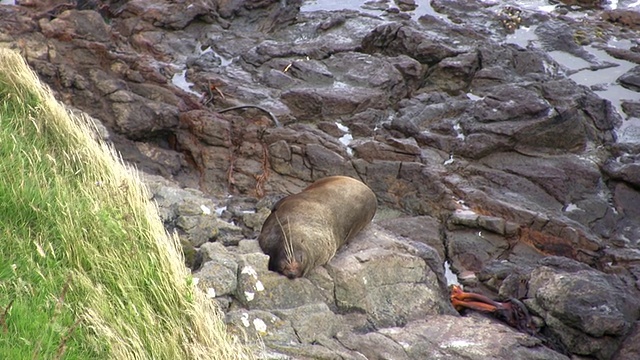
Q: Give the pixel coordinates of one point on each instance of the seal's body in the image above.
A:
(306, 229)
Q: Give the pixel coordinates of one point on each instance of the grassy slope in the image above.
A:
(86, 268)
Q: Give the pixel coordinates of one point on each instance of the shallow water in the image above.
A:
(369, 7)
(603, 80)
(179, 79)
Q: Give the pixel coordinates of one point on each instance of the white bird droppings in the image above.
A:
(259, 325)
(248, 270)
(205, 210)
(211, 293)
(245, 319)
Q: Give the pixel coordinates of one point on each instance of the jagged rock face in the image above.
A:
(482, 153)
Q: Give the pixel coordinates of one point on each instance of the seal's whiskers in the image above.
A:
(288, 245)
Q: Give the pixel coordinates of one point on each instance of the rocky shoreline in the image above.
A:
(486, 154)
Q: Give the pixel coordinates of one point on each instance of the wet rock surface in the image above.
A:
(483, 152)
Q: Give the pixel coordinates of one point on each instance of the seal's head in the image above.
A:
(291, 267)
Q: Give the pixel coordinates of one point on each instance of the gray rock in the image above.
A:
(373, 346)
(261, 289)
(630, 348)
(626, 198)
(255, 220)
(628, 171)
(371, 72)
(248, 247)
(566, 178)
(138, 117)
(461, 67)
(590, 311)
(370, 150)
(559, 36)
(217, 276)
(631, 79)
(424, 229)
(312, 323)
(330, 102)
(199, 229)
(85, 24)
(631, 108)
(395, 39)
(509, 102)
(447, 336)
(259, 325)
(471, 250)
(364, 283)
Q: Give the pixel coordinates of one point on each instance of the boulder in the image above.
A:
(589, 311)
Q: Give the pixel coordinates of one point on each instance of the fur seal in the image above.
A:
(306, 229)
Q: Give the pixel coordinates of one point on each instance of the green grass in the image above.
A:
(86, 268)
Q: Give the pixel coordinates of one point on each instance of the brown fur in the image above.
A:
(306, 229)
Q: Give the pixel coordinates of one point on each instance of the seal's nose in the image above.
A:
(291, 275)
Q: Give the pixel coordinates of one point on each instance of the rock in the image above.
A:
(395, 39)
(312, 323)
(625, 197)
(472, 250)
(559, 37)
(540, 136)
(326, 103)
(248, 246)
(259, 325)
(199, 229)
(631, 108)
(405, 190)
(373, 345)
(261, 289)
(631, 79)
(389, 298)
(370, 150)
(412, 71)
(310, 71)
(86, 24)
(421, 117)
(591, 312)
(624, 17)
(424, 229)
(373, 72)
(567, 179)
(217, 277)
(314, 152)
(144, 117)
(461, 67)
(626, 171)
(630, 348)
(466, 337)
(255, 220)
(166, 14)
(508, 102)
